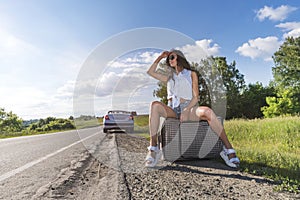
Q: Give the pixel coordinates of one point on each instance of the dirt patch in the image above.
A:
(88, 178)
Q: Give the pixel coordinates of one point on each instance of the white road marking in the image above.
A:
(30, 164)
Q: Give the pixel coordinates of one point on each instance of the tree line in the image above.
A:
(11, 123)
(222, 82)
(51, 123)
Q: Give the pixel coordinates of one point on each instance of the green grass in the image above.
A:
(81, 123)
(269, 147)
(27, 133)
(141, 125)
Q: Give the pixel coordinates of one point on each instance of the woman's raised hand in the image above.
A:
(164, 54)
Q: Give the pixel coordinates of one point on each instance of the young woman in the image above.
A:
(183, 94)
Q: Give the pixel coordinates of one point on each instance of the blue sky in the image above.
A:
(43, 45)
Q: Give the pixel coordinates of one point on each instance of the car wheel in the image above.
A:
(104, 130)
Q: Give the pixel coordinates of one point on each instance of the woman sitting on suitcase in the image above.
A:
(183, 92)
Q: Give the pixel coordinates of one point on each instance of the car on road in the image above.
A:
(118, 120)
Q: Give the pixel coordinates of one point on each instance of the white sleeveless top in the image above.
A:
(180, 87)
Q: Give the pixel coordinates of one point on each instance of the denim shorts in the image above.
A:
(178, 110)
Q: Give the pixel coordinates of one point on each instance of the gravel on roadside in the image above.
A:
(196, 179)
(101, 178)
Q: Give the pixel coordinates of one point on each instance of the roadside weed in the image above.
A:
(269, 147)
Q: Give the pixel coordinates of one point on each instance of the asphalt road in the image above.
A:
(30, 162)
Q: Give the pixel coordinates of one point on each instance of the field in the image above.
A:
(267, 147)
(86, 123)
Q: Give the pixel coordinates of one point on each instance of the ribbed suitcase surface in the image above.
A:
(189, 140)
(170, 137)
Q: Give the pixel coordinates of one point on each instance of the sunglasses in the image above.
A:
(171, 57)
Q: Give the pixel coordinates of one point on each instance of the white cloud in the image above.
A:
(66, 91)
(121, 83)
(125, 64)
(278, 14)
(260, 48)
(138, 98)
(293, 29)
(121, 78)
(149, 57)
(201, 49)
(107, 83)
(208, 47)
(138, 60)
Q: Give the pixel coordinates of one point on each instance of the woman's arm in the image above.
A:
(194, 101)
(195, 88)
(152, 70)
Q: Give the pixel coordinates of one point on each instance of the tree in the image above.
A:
(286, 73)
(234, 83)
(51, 123)
(49, 119)
(254, 98)
(282, 104)
(9, 122)
(161, 92)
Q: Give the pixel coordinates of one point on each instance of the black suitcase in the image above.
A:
(189, 140)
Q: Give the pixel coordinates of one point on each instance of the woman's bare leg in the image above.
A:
(205, 113)
(157, 110)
